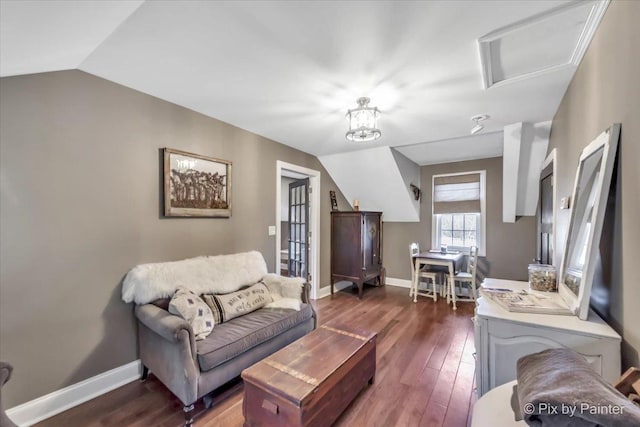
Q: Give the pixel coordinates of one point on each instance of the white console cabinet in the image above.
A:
(502, 337)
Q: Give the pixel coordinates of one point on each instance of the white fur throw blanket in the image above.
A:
(285, 291)
(219, 274)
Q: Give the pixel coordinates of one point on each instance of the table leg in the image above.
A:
(414, 284)
(452, 291)
(413, 276)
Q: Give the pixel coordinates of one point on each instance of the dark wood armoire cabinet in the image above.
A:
(356, 246)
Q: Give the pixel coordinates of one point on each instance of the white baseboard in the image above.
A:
(401, 283)
(58, 401)
(390, 281)
(337, 287)
(323, 292)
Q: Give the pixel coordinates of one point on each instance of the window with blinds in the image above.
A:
(456, 194)
(458, 211)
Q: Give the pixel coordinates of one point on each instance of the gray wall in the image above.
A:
(606, 90)
(80, 206)
(510, 247)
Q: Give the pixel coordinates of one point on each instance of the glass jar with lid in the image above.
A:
(542, 277)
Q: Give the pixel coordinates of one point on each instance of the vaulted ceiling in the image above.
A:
(290, 70)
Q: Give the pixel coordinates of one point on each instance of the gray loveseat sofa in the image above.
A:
(191, 369)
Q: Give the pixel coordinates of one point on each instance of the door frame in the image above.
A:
(551, 160)
(314, 226)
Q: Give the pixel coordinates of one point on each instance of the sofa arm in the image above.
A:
(306, 289)
(306, 292)
(165, 324)
(167, 348)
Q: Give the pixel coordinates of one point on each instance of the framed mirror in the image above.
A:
(588, 203)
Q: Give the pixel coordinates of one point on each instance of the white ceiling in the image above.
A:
(39, 36)
(290, 70)
(468, 147)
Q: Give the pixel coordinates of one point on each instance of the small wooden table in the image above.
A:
(449, 263)
(312, 380)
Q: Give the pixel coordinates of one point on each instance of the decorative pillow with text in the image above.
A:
(228, 306)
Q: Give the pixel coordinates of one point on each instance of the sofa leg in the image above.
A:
(188, 414)
(145, 373)
(208, 401)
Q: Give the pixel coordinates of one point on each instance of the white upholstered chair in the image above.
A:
(429, 276)
(464, 280)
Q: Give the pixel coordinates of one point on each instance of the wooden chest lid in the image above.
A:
(295, 371)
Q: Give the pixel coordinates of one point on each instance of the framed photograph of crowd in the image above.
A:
(196, 185)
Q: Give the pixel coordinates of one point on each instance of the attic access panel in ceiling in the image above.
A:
(543, 43)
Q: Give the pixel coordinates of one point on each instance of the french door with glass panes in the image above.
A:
(299, 229)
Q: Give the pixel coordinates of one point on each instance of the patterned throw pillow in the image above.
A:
(191, 308)
(228, 306)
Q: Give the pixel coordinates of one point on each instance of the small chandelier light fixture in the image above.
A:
(363, 122)
(478, 121)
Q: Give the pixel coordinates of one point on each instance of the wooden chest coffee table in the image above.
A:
(312, 380)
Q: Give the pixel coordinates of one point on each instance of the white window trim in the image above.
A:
(463, 249)
(482, 236)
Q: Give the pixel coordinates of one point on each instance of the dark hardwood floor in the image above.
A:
(424, 375)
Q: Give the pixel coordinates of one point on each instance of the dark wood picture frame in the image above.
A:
(196, 185)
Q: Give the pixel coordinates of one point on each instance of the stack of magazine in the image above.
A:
(526, 302)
